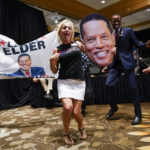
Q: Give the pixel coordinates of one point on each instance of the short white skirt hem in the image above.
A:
(71, 88)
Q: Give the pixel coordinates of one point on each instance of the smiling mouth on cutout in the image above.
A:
(102, 53)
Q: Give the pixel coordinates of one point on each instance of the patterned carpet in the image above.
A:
(26, 128)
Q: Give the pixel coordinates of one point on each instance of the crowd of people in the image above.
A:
(102, 42)
(104, 46)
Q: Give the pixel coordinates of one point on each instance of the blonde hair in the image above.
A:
(60, 25)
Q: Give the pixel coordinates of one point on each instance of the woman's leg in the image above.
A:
(79, 118)
(66, 117)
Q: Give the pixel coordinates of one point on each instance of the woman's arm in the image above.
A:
(54, 61)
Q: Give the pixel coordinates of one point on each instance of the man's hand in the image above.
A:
(114, 51)
(35, 80)
(148, 44)
(147, 70)
(105, 69)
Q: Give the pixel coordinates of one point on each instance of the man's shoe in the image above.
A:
(48, 96)
(111, 112)
(136, 120)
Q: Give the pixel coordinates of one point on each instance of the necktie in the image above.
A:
(28, 73)
(117, 35)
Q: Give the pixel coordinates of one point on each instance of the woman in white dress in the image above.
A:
(66, 59)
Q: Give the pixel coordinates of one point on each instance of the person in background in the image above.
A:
(124, 62)
(47, 84)
(85, 64)
(88, 89)
(71, 80)
(38, 73)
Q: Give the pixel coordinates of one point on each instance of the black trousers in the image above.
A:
(89, 94)
(112, 79)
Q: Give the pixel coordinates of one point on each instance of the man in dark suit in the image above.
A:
(124, 62)
(24, 61)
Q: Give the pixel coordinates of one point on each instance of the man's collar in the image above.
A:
(24, 72)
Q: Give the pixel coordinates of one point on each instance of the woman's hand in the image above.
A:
(55, 56)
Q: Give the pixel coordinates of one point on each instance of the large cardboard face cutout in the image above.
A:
(98, 42)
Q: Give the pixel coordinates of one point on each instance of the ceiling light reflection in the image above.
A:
(103, 1)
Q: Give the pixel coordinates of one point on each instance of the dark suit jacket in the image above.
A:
(35, 71)
(125, 48)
